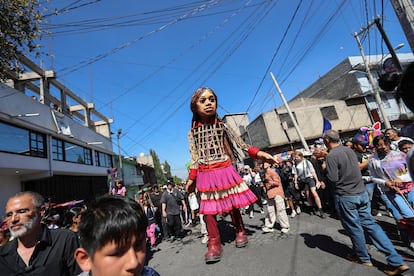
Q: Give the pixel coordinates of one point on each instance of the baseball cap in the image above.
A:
(360, 140)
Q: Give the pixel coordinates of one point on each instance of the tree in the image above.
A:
(159, 173)
(177, 179)
(19, 28)
(167, 170)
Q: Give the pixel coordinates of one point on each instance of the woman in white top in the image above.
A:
(305, 178)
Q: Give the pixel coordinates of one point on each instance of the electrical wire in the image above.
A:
(73, 68)
(157, 123)
(218, 56)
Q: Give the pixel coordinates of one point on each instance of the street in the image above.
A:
(314, 246)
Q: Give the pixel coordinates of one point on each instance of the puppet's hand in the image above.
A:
(267, 157)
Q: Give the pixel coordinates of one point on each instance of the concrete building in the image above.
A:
(344, 96)
(36, 155)
(51, 141)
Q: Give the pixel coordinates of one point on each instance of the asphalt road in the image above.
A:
(314, 246)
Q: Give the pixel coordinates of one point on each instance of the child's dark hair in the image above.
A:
(381, 137)
(111, 218)
(70, 214)
(402, 143)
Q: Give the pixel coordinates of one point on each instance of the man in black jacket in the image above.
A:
(35, 250)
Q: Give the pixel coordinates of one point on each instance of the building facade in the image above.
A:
(55, 143)
(44, 150)
(343, 96)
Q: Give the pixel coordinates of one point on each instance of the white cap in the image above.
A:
(164, 187)
(246, 166)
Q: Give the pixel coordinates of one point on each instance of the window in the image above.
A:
(103, 159)
(37, 144)
(57, 149)
(385, 102)
(69, 152)
(22, 141)
(329, 112)
(286, 120)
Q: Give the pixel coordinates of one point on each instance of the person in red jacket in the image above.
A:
(275, 202)
(213, 152)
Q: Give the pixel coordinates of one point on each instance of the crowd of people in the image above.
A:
(314, 182)
(110, 236)
(109, 239)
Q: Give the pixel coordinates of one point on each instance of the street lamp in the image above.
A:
(119, 152)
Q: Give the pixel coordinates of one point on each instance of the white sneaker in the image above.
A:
(261, 211)
(293, 214)
(411, 244)
(204, 239)
(251, 214)
(285, 230)
(298, 210)
(264, 201)
(268, 230)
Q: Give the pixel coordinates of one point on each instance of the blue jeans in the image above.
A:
(395, 212)
(403, 206)
(356, 218)
(370, 187)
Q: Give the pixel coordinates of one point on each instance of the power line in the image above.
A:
(158, 124)
(274, 55)
(89, 61)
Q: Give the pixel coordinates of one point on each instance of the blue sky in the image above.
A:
(140, 61)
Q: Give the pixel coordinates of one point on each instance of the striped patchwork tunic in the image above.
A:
(220, 185)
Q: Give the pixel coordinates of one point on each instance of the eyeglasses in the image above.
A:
(18, 212)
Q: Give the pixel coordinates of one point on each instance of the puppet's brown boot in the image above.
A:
(214, 251)
(241, 239)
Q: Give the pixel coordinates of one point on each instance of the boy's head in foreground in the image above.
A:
(112, 237)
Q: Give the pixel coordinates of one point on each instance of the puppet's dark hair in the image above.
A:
(229, 146)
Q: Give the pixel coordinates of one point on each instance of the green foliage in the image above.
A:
(19, 28)
(162, 170)
(167, 170)
(159, 174)
(177, 179)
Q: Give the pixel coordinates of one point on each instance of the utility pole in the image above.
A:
(405, 13)
(305, 145)
(283, 126)
(373, 83)
(119, 153)
(384, 36)
(284, 129)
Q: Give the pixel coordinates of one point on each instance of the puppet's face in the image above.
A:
(206, 105)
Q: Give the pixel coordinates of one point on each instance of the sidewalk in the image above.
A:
(314, 246)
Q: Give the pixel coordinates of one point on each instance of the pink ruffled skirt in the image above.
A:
(222, 190)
